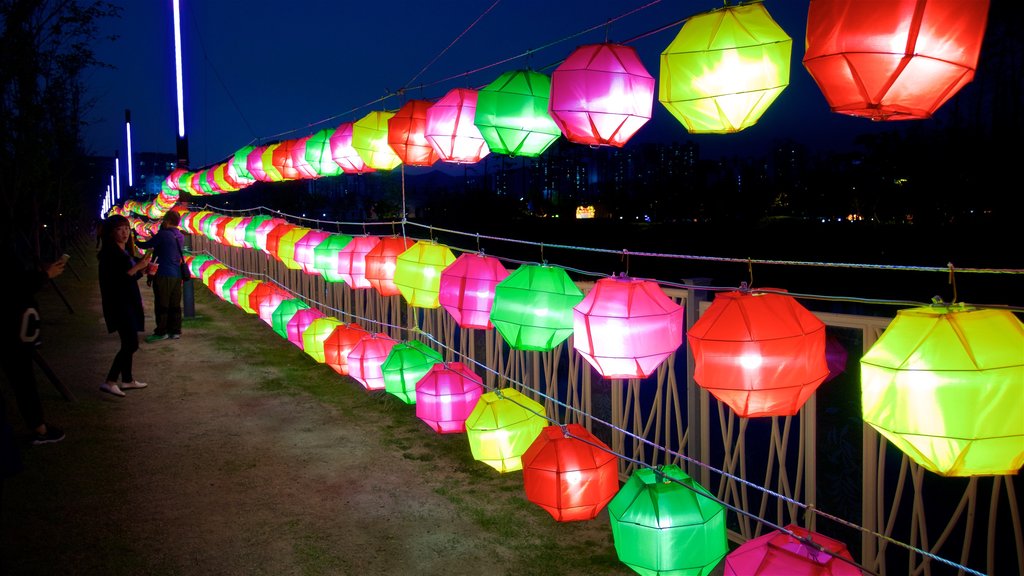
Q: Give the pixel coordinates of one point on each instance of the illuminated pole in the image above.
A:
(128, 133)
(113, 189)
(117, 172)
(187, 290)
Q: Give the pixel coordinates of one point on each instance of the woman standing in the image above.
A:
(119, 274)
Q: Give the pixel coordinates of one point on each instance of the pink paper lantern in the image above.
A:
(298, 152)
(467, 289)
(626, 327)
(451, 129)
(381, 261)
(570, 473)
(299, 322)
(352, 261)
(780, 553)
(365, 358)
(601, 95)
(344, 154)
(305, 250)
(446, 396)
(254, 163)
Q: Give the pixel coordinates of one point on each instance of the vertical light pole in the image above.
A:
(117, 173)
(188, 290)
(128, 134)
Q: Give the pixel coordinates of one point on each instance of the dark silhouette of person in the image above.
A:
(168, 246)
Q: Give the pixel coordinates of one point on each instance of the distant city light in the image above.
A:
(584, 212)
(177, 68)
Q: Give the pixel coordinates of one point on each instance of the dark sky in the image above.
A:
(275, 70)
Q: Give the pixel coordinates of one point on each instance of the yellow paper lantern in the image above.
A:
(418, 273)
(502, 426)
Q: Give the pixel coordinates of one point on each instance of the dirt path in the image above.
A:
(244, 456)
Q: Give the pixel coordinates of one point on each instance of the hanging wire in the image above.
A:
(952, 280)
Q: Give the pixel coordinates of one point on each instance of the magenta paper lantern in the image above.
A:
(467, 289)
(344, 154)
(446, 396)
(234, 291)
(626, 327)
(299, 322)
(381, 262)
(305, 250)
(451, 131)
(254, 163)
(365, 358)
(352, 261)
(778, 552)
(265, 299)
(601, 95)
(570, 473)
(407, 134)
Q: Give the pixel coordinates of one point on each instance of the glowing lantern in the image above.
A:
(286, 246)
(212, 269)
(254, 164)
(265, 299)
(406, 364)
(418, 273)
(298, 158)
(225, 289)
(283, 314)
(570, 473)
(664, 522)
(264, 229)
(235, 231)
(236, 179)
(779, 552)
(724, 69)
(601, 95)
(299, 323)
(314, 335)
(318, 153)
(502, 426)
(407, 134)
(220, 176)
(370, 139)
(450, 129)
(467, 289)
(269, 166)
(512, 114)
(338, 345)
(242, 291)
(943, 383)
(626, 327)
(897, 60)
(284, 160)
(326, 254)
(217, 281)
(366, 357)
(344, 155)
(762, 354)
(381, 261)
(240, 162)
(274, 238)
(446, 395)
(352, 261)
(305, 250)
(251, 231)
(533, 307)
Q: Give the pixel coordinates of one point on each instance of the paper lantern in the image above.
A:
(370, 139)
(235, 232)
(209, 269)
(218, 280)
(265, 299)
(274, 236)
(305, 250)
(381, 261)
(418, 273)
(268, 162)
(724, 69)
(298, 324)
(446, 395)
(338, 345)
(666, 523)
(235, 178)
(466, 290)
(512, 114)
(450, 129)
(897, 60)
(601, 95)
(407, 134)
(502, 426)
(242, 291)
(286, 246)
(626, 327)
(240, 162)
(326, 254)
(366, 357)
(252, 229)
(406, 364)
(254, 164)
(352, 261)
(762, 354)
(220, 177)
(944, 384)
(283, 314)
(779, 552)
(570, 473)
(343, 154)
(318, 153)
(298, 153)
(225, 289)
(316, 333)
(283, 159)
(533, 307)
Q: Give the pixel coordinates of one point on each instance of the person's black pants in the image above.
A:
(122, 365)
(17, 365)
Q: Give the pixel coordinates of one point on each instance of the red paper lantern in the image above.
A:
(273, 246)
(778, 552)
(284, 161)
(338, 345)
(381, 261)
(601, 95)
(299, 322)
(352, 261)
(763, 354)
(626, 327)
(446, 396)
(407, 134)
(570, 473)
(895, 60)
(467, 289)
(344, 154)
(365, 358)
(451, 131)
(262, 232)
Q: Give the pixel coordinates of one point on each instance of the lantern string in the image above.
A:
(457, 38)
(952, 280)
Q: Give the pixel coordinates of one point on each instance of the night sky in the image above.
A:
(273, 70)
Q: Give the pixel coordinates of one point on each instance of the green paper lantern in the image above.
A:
(370, 139)
(252, 227)
(512, 114)
(945, 384)
(318, 153)
(405, 365)
(240, 162)
(502, 426)
(533, 307)
(418, 273)
(283, 313)
(225, 289)
(666, 523)
(314, 335)
(325, 256)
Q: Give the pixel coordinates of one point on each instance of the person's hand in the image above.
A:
(55, 269)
